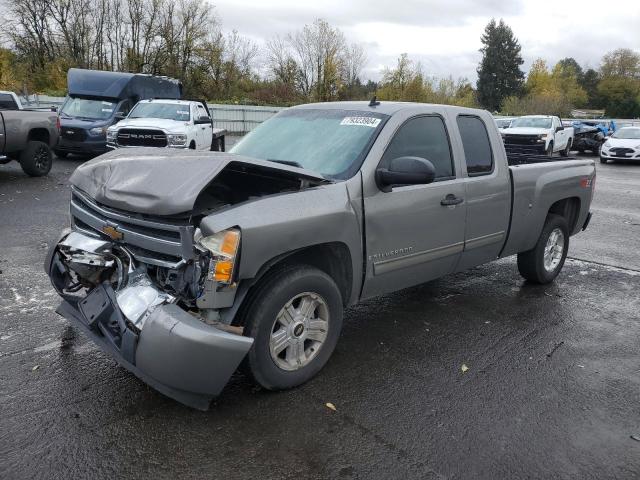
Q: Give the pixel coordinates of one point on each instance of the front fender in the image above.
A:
(276, 225)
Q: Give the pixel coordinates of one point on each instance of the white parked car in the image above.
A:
(624, 144)
(164, 123)
(544, 134)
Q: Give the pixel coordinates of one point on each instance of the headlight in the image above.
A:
(224, 249)
(98, 131)
(606, 145)
(177, 140)
(542, 138)
(111, 135)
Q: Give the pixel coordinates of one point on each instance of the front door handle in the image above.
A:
(450, 200)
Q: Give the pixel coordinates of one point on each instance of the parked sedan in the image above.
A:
(622, 145)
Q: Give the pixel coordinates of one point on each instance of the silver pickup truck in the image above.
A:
(27, 135)
(184, 264)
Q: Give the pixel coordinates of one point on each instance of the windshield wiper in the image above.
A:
(291, 163)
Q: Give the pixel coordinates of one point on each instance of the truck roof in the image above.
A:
(385, 107)
(106, 84)
(169, 100)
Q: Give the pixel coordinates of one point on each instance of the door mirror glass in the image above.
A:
(120, 116)
(405, 171)
(202, 120)
(560, 128)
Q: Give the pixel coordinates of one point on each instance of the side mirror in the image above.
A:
(405, 171)
(560, 128)
(119, 116)
(202, 120)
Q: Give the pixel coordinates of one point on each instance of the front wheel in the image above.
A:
(36, 159)
(603, 160)
(295, 318)
(543, 263)
(550, 150)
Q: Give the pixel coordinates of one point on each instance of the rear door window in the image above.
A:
(477, 147)
(425, 137)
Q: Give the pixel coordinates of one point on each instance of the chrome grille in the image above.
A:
(130, 137)
(155, 241)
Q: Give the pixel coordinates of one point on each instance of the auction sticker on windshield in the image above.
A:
(362, 121)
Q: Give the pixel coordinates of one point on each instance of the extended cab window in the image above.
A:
(477, 148)
(424, 137)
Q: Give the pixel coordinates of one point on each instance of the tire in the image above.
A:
(532, 265)
(567, 149)
(549, 151)
(271, 367)
(603, 160)
(192, 146)
(36, 159)
(61, 154)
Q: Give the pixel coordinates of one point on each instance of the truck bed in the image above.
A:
(524, 158)
(537, 178)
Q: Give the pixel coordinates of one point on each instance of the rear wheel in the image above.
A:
(294, 317)
(36, 159)
(543, 263)
(567, 149)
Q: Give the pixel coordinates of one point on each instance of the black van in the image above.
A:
(98, 99)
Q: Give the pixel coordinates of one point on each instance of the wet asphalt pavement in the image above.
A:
(552, 388)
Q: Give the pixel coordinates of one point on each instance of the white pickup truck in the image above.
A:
(544, 134)
(166, 123)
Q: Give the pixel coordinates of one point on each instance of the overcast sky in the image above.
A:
(445, 35)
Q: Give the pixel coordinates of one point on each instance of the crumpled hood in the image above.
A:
(162, 181)
(161, 123)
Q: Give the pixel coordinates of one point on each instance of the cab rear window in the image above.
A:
(477, 147)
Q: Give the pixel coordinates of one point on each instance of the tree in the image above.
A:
(499, 73)
(566, 80)
(589, 82)
(569, 63)
(622, 62)
(619, 87)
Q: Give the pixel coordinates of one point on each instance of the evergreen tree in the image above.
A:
(499, 74)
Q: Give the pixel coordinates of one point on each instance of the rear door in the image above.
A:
(411, 235)
(487, 191)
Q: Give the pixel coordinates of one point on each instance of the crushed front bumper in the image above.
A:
(174, 352)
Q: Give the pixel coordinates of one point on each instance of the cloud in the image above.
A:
(445, 36)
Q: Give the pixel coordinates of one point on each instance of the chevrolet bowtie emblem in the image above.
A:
(112, 232)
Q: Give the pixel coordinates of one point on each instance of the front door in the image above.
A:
(415, 233)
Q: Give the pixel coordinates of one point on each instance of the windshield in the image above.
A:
(167, 111)
(627, 133)
(329, 142)
(88, 108)
(531, 122)
(502, 123)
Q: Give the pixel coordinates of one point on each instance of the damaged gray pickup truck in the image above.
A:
(184, 264)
